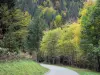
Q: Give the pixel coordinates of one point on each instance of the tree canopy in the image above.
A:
(64, 31)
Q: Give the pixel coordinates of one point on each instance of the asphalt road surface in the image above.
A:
(56, 70)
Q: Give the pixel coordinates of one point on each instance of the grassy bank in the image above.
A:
(84, 71)
(21, 67)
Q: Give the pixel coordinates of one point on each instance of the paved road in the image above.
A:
(55, 70)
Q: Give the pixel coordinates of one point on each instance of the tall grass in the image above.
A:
(21, 67)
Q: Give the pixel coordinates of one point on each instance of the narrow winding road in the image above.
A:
(55, 70)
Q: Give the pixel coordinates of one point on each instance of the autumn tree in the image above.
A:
(62, 42)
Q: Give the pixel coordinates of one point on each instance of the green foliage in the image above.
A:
(73, 8)
(58, 21)
(3, 51)
(49, 43)
(10, 3)
(90, 33)
(48, 14)
(62, 42)
(21, 68)
(13, 27)
(35, 30)
(79, 42)
(67, 9)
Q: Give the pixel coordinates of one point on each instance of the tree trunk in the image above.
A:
(98, 59)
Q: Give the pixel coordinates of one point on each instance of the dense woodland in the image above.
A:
(59, 31)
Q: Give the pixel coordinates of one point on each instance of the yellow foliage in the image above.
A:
(49, 10)
(89, 3)
(66, 40)
(83, 12)
(27, 19)
(76, 30)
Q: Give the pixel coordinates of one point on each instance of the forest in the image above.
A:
(54, 31)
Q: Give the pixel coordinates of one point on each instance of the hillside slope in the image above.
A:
(26, 67)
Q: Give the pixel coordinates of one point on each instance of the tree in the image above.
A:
(73, 8)
(13, 26)
(48, 14)
(35, 32)
(68, 44)
(5, 16)
(10, 3)
(58, 21)
(48, 45)
(62, 42)
(90, 32)
(50, 9)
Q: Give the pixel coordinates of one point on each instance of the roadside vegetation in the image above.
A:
(84, 71)
(21, 67)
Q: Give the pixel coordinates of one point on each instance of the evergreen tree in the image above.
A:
(35, 32)
(13, 25)
(10, 3)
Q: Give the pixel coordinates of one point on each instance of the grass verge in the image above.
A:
(21, 67)
(84, 71)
